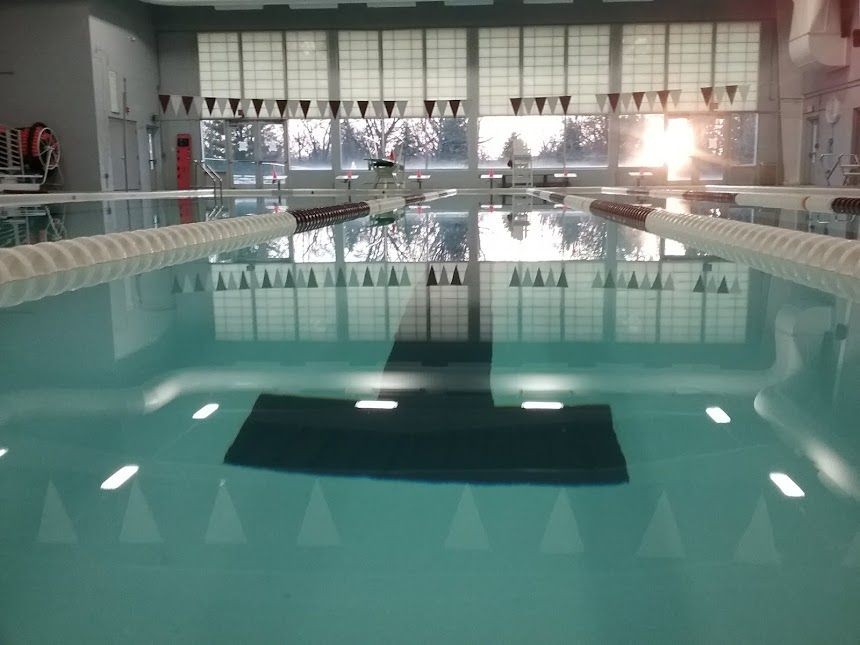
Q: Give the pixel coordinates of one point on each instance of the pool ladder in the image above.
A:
(850, 169)
(217, 181)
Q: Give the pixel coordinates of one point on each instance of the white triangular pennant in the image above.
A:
(293, 108)
(379, 109)
(138, 524)
(176, 107)
(225, 527)
(346, 108)
(528, 105)
(441, 107)
(323, 108)
(661, 538)
(602, 100)
(247, 108)
(552, 103)
(653, 99)
(719, 93)
(401, 108)
(467, 530)
(562, 531)
(675, 95)
(756, 545)
(56, 526)
(271, 108)
(625, 99)
(222, 106)
(743, 91)
(318, 527)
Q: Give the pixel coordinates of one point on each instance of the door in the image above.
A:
(242, 154)
(257, 153)
(271, 151)
(125, 158)
(811, 146)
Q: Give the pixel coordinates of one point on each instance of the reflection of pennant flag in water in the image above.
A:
(652, 98)
(646, 281)
(312, 279)
(269, 106)
(198, 284)
(329, 281)
(234, 105)
(175, 103)
(719, 93)
(177, 288)
(625, 101)
(267, 283)
(368, 281)
(552, 101)
(454, 104)
(428, 107)
(663, 95)
(707, 94)
(187, 102)
(515, 105)
(258, 106)
(712, 285)
(210, 104)
(305, 105)
(243, 282)
(540, 101)
(392, 279)
(565, 103)
(443, 277)
(731, 90)
(528, 105)
(381, 277)
(756, 545)
(455, 278)
(318, 527)
(224, 527)
(341, 279)
(138, 524)
(362, 108)
(245, 107)
(633, 283)
(231, 283)
(658, 283)
(289, 282)
(562, 280)
(431, 278)
(301, 283)
(389, 107)
(661, 538)
(527, 278)
(467, 531)
(724, 287)
(609, 283)
(700, 285)
(164, 99)
(220, 286)
(669, 284)
(538, 279)
(736, 287)
(637, 99)
(597, 283)
(613, 100)
(550, 279)
(601, 101)
(515, 279)
(322, 108)
(56, 526)
(334, 106)
(561, 534)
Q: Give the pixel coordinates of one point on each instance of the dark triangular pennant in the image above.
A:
(334, 106)
(562, 280)
(610, 281)
(455, 278)
(597, 283)
(267, 283)
(633, 283)
(289, 283)
(565, 103)
(540, 101)
(312, 279)
(637, 99)
(538, 279)
(362, 108)
(724, 287)
(455, 106)
(187, 102)
(220, 286)
(428, 106)
(368, 281)
(707, 94)
(282, 106)
(210, 104)
(389, 107)
(341, 279)
(198, 284)
(515, 279)
(431, 278)
(700, 285)
(164, 99)
(663, 95)
(176, 287)
(731, 90)
(392, 279)
(658, 283)
(234, 105)
(258, 106)
(243, 281)
(613, 100)
(515, 105)
(305, 105)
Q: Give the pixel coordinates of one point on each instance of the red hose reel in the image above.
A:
(40, 148)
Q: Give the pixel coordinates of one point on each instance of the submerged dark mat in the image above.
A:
(450, 438)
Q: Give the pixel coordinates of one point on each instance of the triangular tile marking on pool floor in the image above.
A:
(138, 524)
(756, 545)
(562, 531)
(852, 554)
(224, 527)
(467, 531)
(56, 526)
(318, 527)
(661, 538)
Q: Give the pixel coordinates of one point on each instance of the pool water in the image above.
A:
(699, 482)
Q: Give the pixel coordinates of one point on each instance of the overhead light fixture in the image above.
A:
(206, 411)
(120, 477)
(375, 405)
(3, 451)
(786, 485)
(542, 405)
(718, 415)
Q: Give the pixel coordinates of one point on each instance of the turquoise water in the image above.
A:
(673, 533)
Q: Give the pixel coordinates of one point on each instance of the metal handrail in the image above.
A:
(217, 181)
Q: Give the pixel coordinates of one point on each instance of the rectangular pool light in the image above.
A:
(542, 405)
(376, 405)
(786, 485)
(120, 477)
(3, 451)
(206, 411)
(718, 415)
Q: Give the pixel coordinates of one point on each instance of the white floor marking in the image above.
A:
(562, 531)
(138, 525)
(225, 527)
(56, 526)
(662, 538)
(467, 530)
(318, 527)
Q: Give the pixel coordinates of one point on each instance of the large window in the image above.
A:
(552, 141)
(307, 65)
(309, 144)
(263, 64)
(213, 137)
(446, 63)
(737, 62)
(359, 65)
(422, 143)
(218, 59)
(498, 69)
(587, 66)
(403, 68)
(642, 140)
(689, 63)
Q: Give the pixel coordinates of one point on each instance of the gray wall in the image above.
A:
(46, 75)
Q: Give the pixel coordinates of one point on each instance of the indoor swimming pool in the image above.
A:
(481, 419)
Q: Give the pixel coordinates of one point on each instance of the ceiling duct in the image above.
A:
(816, 40)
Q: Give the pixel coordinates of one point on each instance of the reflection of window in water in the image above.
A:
(416, 237)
